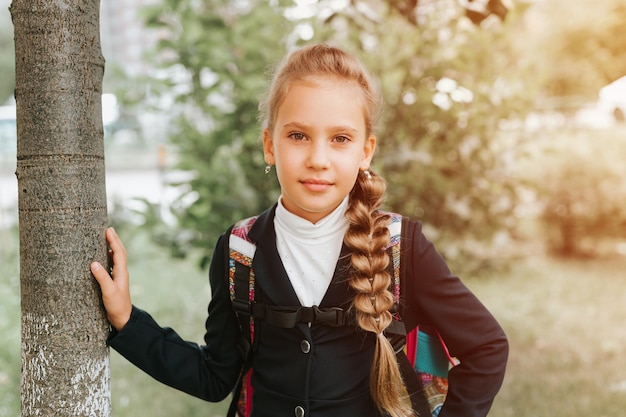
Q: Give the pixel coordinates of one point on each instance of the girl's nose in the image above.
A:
(319, 157)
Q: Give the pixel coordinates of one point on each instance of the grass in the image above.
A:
(176, 294)
(564, 319)
(9, 325)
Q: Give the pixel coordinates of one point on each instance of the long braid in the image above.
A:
(367, 237)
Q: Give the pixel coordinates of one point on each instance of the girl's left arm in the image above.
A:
(438, 298)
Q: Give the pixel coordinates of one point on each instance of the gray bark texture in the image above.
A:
(62, 207)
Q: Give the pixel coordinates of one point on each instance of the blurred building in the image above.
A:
(124, 37)
(613, 99)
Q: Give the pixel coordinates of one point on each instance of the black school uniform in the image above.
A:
(319, 370)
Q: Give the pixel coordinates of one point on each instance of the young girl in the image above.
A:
(322, 244)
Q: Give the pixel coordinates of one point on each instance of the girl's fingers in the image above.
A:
(114, 242)
(115, 289)
(118, 252)
(116, 245)
(101, 275)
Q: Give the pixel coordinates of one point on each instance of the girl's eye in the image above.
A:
(297, 136)
(341, 139)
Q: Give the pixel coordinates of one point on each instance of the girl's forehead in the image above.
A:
(327, 100)
(326, 82)
(349, 92)
(301, 93)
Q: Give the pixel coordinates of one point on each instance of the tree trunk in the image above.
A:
(62, 207)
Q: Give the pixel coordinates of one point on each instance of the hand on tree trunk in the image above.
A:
(115, 289)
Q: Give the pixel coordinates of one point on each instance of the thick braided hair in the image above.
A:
(367, 235)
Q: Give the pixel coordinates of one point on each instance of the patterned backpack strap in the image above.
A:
(395, 232)
(241, 288)
(240, 273)
(395, 332)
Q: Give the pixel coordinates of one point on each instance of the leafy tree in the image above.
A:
(222, 50)
(62, 207)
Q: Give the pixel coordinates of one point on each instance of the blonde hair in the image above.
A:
(367, 235)
(319, 61)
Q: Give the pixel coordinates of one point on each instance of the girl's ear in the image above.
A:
(268, 147)
(368, 152)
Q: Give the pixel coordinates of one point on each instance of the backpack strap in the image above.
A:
(241, 275)
(247, 307)
(242, 295)
(396, 332)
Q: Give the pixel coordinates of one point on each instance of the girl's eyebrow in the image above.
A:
(295, 125)
(302, 126)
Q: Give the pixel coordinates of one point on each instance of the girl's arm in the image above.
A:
(208, 372)
(471, 333)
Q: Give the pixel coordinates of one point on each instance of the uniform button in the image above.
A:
(299, 411)
(305, 346)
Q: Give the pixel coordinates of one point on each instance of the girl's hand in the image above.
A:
(115, 290)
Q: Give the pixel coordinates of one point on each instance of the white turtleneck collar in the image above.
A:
(309, 252)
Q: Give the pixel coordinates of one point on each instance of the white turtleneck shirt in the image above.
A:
(309, 252)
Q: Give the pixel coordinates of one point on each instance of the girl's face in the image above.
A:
(318, 144)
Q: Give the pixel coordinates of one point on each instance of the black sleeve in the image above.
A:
(208, 372)
(438, 298)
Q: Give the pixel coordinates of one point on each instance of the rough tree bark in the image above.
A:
(62, 207)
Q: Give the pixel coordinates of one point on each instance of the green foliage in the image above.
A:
(222, 49)
(579, 177)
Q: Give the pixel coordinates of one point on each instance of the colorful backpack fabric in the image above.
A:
(428, 365)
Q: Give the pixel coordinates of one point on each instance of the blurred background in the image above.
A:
(504, 132)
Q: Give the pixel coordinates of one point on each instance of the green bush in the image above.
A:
(582, 192)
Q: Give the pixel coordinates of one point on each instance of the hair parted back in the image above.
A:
(367, 235)
(320, 61)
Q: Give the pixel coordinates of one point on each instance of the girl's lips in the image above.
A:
(316, 185)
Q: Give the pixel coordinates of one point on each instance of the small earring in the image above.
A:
(268, 168)
(367, 174)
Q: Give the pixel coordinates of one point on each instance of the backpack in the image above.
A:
(424, 370)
